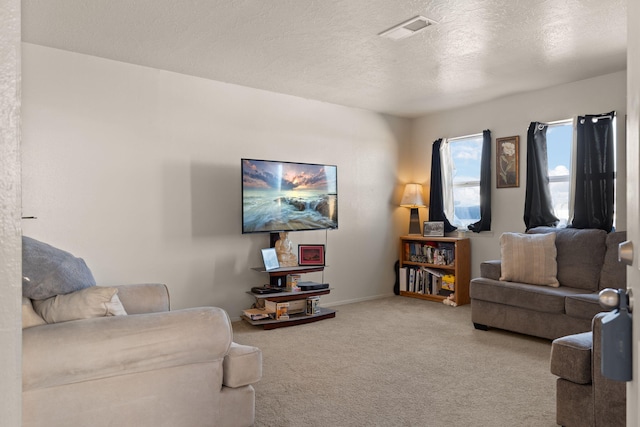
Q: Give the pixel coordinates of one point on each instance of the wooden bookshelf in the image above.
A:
(459, 266)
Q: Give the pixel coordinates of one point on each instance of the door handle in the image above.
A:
(610, 299)
(625, 252)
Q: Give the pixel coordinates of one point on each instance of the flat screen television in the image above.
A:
(287, 196)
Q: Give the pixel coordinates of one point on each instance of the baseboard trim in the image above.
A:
(351, 301)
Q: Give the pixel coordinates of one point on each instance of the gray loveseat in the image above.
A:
(586, 263)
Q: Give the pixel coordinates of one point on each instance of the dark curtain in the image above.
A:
(595, 172)
(436, 202)
(538, 208)
(485, 186)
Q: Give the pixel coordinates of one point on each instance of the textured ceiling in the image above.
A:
(330, 50)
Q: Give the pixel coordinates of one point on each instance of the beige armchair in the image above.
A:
(152, 367)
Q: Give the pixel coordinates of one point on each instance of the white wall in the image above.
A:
(137, 170)
(510, 116)
(10, 242)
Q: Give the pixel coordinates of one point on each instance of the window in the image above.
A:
(559, 157)
(559, 152)
(466, 153)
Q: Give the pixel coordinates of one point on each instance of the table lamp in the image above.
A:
(413, 198)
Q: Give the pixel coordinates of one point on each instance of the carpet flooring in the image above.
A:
(400, 361)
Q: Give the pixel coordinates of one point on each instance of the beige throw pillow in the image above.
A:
(529, 258)
(29, 316)
(96, 301)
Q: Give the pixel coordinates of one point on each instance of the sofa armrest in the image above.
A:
(491, 269)
(242, 365)
(103, 347)
(571, 357)
(609, 396)
(144, 298)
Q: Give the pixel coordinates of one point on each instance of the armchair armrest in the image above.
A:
(144, 298)
(491, 269)
(84, 350)
(242, 365)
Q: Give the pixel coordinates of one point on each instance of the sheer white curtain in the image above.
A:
(572, 172)
(447, 179)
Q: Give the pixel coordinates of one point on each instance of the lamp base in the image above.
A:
(414, 222)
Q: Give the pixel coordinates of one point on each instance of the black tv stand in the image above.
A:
(296, 319)
(279, 275)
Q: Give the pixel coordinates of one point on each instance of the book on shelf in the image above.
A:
(280, 310)
(437, 253)
(435, 271)
(425, 280)
(412, 279)
(402, 273)
(257, 313)
(436, 285)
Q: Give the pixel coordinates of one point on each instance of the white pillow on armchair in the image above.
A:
(96, 301)
(29, 316)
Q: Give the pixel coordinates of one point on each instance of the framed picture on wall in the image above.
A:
(508, 162)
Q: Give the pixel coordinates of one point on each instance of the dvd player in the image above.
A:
(312, 286)
(265, 290)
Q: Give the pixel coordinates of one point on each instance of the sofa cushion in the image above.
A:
(544, 299)
(580, 255)
(571, 357)
(29, 316)
(96, 301)
(529, 258)
(613, 273)
(48, 271)
(583, 306)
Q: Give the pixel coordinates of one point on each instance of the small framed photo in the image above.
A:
(433, 229)
(311, 254)
(508, 162)
(270, 259)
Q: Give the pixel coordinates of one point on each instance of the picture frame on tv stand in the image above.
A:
(311, 255)
(270, 259)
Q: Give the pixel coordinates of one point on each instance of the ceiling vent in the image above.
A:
(407, 28)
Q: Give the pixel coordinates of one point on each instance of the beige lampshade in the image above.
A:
(413, 197)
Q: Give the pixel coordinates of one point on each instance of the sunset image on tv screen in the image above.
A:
(283, 196)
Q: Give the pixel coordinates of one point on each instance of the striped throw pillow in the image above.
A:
(529, 258)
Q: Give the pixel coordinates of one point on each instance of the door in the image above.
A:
(633, 195)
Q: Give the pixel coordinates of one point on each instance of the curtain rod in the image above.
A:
(557, 122)
(608, 116)
(465, 137)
